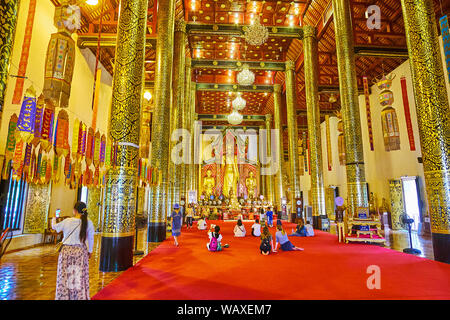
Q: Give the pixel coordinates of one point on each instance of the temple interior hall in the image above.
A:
(155, 149)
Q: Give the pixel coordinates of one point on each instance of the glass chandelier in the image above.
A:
(239, 103)
(245, 77)
(235, 117)
(256, 34)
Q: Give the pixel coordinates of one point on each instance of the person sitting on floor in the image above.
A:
(239, 229)
(300, 231)
(266, 242)
(215, 239)
(282, 239)
(202, 225)
(256, 229)
(309, 229)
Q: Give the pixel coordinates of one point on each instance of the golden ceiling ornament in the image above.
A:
(215, 62)
(245, 77)
(238, 103)
(256, 34)
(234, 117)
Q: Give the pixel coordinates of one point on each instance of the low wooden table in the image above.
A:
(372, 235)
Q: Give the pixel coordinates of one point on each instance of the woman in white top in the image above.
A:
(72, 281)
(239, 229)
(256, 229)
(202, 225)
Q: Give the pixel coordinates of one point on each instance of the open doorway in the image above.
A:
(411, 199)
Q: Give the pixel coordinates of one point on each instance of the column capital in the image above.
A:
(277, 88)
(268, 117)
(290, 65)
(309, 32)
(180, 25)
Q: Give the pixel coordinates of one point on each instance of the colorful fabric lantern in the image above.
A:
(25, 124)
(47, 127)
(62, 147)
(391, 133)
(60, 59)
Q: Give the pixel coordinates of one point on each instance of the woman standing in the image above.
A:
(72, 281)
(177, 221)
(189, 216)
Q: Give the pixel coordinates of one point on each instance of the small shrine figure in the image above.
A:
(250, 183)
(208, 184)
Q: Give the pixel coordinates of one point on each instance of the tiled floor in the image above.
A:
(31, 274)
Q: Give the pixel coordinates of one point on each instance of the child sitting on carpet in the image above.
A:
(239, 229)
(215, 239)
(256, 229)
(283, 240)
(309, 229)
(266, 242)
(202, 225)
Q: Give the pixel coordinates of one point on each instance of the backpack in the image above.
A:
(265, 245)
(213, 244)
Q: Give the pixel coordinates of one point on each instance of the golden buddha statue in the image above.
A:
(230, 179)
(208, 184)
(250, 183)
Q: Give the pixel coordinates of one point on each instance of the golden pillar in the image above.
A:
(121, 180)
(278, 188)
(433, 115)
(291, 107)
(161, 120)
(177, 114)
(9, 11)
(356, 180)
(188, 126)
(269, 178)
(311, 67)
(262, 181)
(192, 166)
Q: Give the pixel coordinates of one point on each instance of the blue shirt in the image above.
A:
(281, 238)
(269, 214)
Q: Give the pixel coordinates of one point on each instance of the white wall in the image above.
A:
(80, 104)
(380, 166)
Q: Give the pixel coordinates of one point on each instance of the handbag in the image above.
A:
(59, 245)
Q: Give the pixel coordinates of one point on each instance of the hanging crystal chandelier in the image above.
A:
(235, 117)
(256, 34)
(239, 103)
(245, 77)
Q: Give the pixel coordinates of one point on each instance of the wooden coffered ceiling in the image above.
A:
(377, 51)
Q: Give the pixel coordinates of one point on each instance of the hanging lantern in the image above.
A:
(235, 117)
(389, 122)
(256, 34)
(245, 77)
(239, 103)
(25, 124)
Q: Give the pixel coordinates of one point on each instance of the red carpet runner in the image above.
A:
(324, 270)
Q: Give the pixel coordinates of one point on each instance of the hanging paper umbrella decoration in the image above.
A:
(40, 106)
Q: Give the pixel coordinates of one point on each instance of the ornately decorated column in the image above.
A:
(118, 226)
(291, 107)
(161, 120)
(187, 120)
(262, 181)
(311, 67)
(269, 178)
(177, 114)
(9, 11)
(192, 166)
(278, 188)
(356, 178)
(433, 115)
